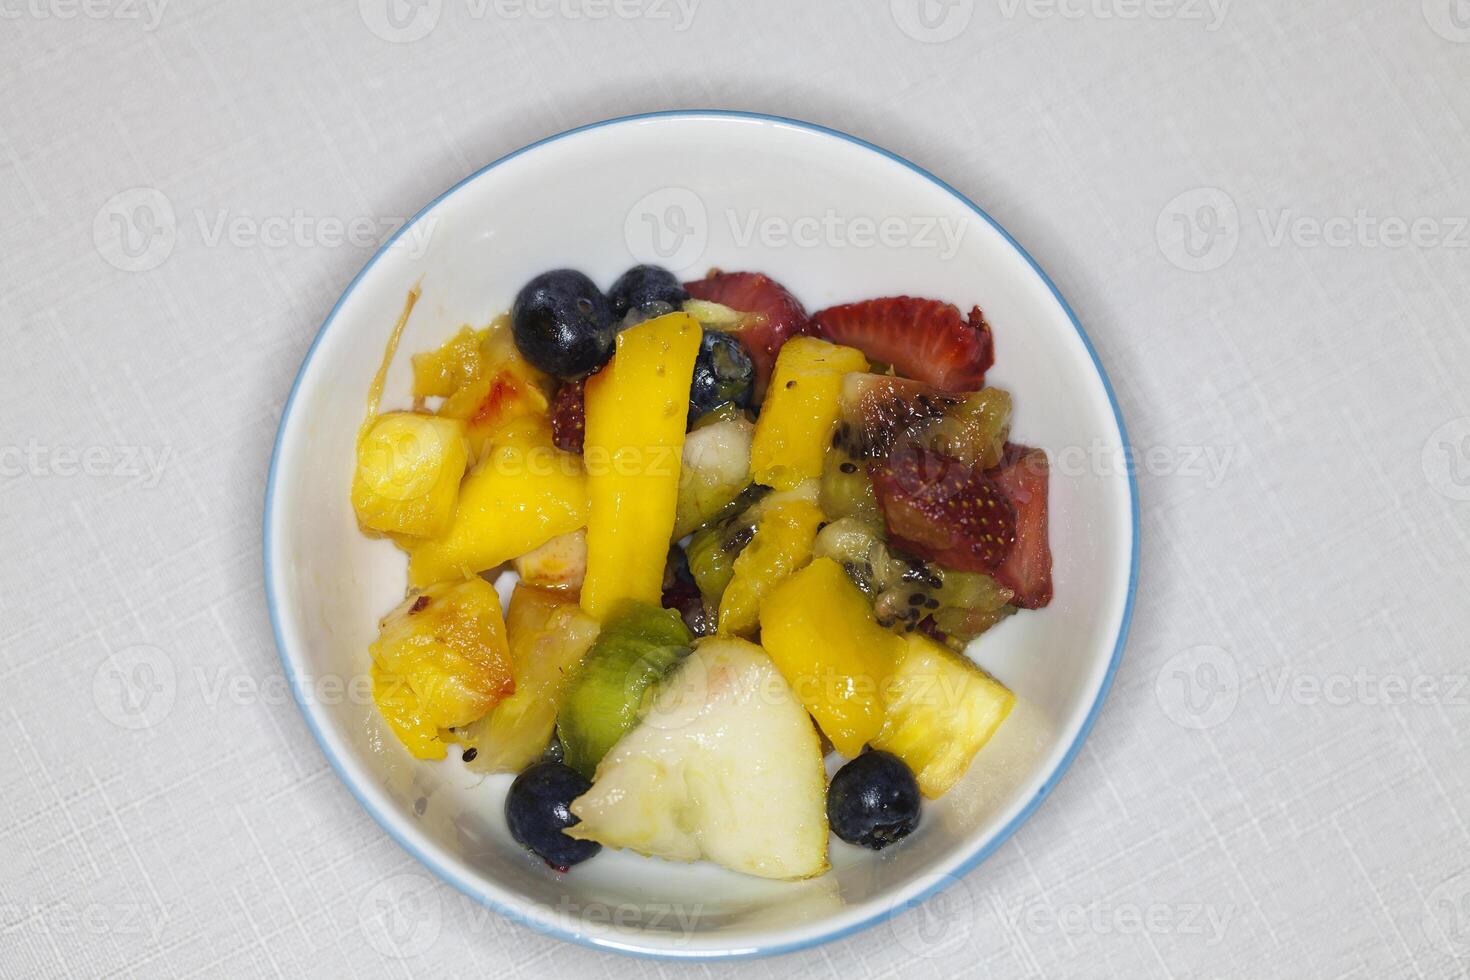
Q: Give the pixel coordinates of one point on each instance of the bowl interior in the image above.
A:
(835, 221)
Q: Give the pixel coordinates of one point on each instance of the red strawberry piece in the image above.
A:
(781, 315)
(922, 338)
(939, 509)
(1023, 476)
(569, 417)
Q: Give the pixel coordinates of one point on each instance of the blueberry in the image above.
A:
(563, 324)
(723, 372)
(538, 807)
(643, 285)
(873, 801)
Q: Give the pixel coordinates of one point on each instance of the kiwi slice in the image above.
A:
(909, 593)
(975, 430)
(713, 548)
(638, 646)
(846, 490)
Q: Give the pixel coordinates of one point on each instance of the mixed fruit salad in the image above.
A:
(746, 538)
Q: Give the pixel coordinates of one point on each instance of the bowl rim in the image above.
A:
(467, 887)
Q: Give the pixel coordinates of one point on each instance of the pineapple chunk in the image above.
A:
(441, 661)
(549, 635)
(440, 373)
(942, 709)
(404, 713)
(782, 544)
(517, 498)
(637, 407)
(560, 563)
(801, 410)
(408, 471)
(484, 381)
(820, 631)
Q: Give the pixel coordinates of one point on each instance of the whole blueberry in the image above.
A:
(538, 808)
(873, 801)
(563, 324)
(642, 286)
(723, 372)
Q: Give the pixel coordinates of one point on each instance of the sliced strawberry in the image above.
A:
(1023, 476)
(569, 417)
(880, 412)
(940, 509)
(921, 338)
(783, 317)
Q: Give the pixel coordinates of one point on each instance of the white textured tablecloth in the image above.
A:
(1258, 210)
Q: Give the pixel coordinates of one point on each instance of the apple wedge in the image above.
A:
(725, 766)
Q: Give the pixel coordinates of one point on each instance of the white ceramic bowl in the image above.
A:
(836, 220)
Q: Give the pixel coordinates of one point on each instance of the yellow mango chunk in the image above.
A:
(820, 630)
(637, 407)
(801, 410)
(782, 544)
(408, 470)
(521, 495)
(941, 710)
(441, 661)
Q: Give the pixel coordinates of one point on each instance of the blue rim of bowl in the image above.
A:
(593, 942)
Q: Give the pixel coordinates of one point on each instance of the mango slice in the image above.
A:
(637, 407)
(801, 411)
(820, 630)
